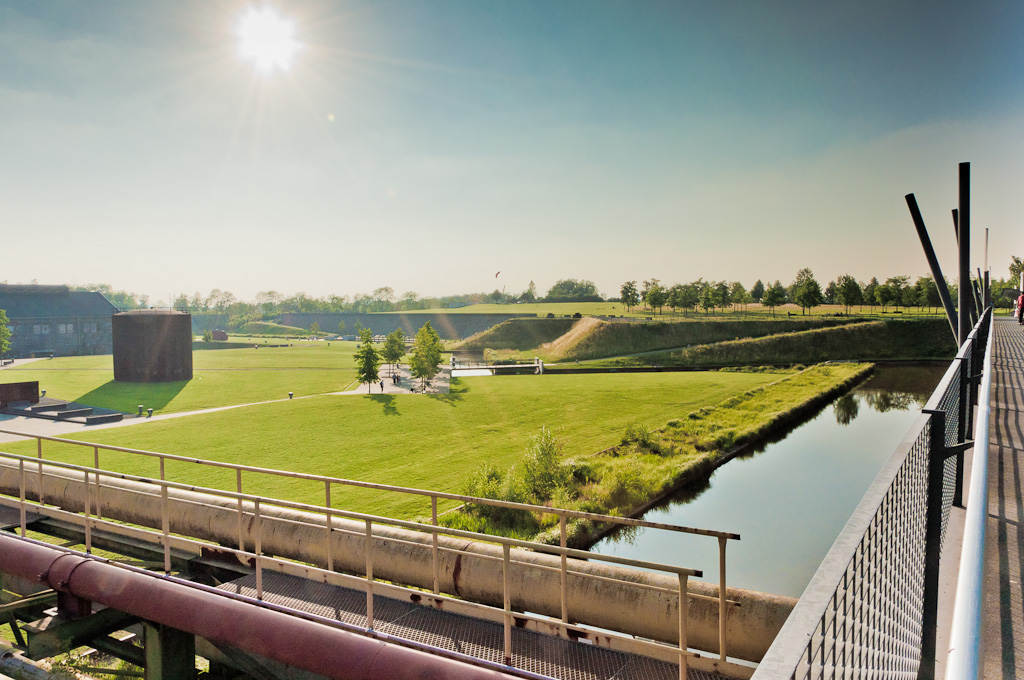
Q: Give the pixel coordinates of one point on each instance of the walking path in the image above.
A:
(440, 384)
(1003, 627)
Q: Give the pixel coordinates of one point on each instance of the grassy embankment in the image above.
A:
(647, 463)
(754, 310)
(433, 442)
(866, 341)
(221, 378)
(589, 338)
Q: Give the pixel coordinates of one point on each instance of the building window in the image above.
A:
(71, 329)
(37, 329)
(62, 329)
(46, 328)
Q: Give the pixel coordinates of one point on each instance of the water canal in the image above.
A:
(788, 499)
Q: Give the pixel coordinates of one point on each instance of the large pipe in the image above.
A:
(933, 264)
(466, 568)
(964, 247)
(327, 651)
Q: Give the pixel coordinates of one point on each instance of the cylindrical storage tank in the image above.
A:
(152, 345)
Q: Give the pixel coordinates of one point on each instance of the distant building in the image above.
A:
(55, 320)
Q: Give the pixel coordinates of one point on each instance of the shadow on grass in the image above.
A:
(387, 401)
(454, 395)
(126, 397)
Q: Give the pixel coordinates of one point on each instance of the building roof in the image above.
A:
(40, 302)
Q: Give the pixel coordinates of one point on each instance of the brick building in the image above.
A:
(45, 319)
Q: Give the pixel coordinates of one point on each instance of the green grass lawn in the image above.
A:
(220, 377)
(434, 442)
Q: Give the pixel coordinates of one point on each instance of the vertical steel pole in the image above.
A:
(964, 238)
(88, 517)
(932, 543)
(39, 455)
(21, 494)
(238, 490)
(962, 426)
(258, 540)
(684, 607)
(96, 464)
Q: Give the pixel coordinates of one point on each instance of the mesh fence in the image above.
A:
(861, 615)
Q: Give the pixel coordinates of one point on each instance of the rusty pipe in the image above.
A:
(317, 648)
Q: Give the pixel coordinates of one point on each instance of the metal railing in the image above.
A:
(962, 663)
(252, 509)
(870, 610)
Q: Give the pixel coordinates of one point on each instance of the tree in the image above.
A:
(757, 291)
(1016, 268)
(630, 296)
(530, 294)
(707, 299)
(394, 347)
(927, 292)
(5, 334)
(806, 290)
(426, 353)
(721, 295)
(571, 290)
(207, 335)
(367, 359)
(774, 296)
(831, 291)
(737, 293)
(675, 297)
(848, 292)
(883, 295)
(897, 284)
(341, 327)
(690, 297)
(870, 292)
(314, 328)
(655, 294)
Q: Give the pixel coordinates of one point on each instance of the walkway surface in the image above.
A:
(1003, 626)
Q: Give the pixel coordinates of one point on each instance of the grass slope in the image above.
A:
(428, 442)
(518, 334)
(751, 311)
(866, 341)
(221, 378)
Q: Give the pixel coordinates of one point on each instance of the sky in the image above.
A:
(427, 146)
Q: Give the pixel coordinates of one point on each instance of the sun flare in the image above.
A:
(266, 39)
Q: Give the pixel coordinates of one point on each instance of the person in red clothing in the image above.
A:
(1018, 311)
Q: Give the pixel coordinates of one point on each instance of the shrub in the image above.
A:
(639, 433)
(543, 471)
(207, 335)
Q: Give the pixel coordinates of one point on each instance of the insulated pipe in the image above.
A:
(469, 569)
(308, 645)
(933, 264)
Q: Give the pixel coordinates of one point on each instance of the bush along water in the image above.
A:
(645, 465)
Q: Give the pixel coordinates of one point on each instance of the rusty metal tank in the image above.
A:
(152, 345)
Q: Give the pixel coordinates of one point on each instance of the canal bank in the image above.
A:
(790, 496)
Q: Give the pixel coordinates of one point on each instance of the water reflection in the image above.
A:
(889, 389)
(788, 498)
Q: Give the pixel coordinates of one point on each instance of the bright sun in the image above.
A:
(266, 39)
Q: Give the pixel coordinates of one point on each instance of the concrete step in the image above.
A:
(48, 407)
(74, 413)
(104, 418)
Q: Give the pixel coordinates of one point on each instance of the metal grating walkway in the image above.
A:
(532, 652)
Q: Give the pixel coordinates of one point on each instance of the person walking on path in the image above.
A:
(382, 386)
(1019, 311)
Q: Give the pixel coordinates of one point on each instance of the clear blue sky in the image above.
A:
(427, 145)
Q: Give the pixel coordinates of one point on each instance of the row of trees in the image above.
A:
(424, 361)
(804, 291)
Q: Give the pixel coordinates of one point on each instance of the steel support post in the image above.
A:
(933, 264)
(170, 653)
(964, 239)
(963, 411)
(932, 544)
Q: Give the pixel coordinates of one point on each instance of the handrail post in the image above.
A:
(369, 574)
(433, 544)
(507, 596)
(721, 597)
(962, 428)
(932, 543)
(96, 464)
(328, 522)
(21, 494)
(88, 516)
(258, 545)
(39, 455)
(238, 489)
(165, 521)
(564, 568)
(684, 607)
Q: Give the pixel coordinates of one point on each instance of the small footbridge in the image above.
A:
(157, 572)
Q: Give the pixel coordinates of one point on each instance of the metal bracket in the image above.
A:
(955, 449)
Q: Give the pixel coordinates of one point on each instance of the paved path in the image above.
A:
(1003, 626)
(52, 428)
